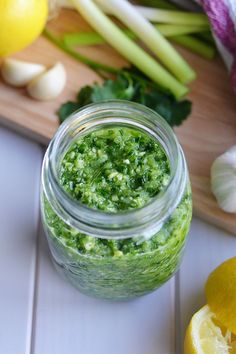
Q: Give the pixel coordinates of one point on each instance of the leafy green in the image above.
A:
(133, 86)
(67, 109)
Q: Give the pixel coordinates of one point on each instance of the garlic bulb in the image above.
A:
(19, 73)
(223, 180)
(49, 84)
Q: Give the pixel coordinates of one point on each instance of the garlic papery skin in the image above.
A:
(19, 73)
(49, 84)
(223, 180)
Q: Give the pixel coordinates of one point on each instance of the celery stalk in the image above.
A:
(93, 38)
(125, 46)
(195, 45)
(151, 37)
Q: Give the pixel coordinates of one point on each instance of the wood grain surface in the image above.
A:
(209, 131)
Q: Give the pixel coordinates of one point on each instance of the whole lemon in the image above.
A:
(21, 23)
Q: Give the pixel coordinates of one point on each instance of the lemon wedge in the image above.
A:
(205, 335)
(221, 293)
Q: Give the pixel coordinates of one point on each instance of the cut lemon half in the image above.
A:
(206, 336)
(221, 293)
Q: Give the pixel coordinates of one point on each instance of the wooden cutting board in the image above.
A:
(209, 131)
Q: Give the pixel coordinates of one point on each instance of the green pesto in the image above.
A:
(89, 172)
(115, 169)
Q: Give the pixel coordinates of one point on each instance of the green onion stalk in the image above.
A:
(152, 38)
(130, 50)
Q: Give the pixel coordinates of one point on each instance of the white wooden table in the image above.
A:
(41, 314)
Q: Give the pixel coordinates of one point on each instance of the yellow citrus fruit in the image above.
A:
(207, 336)
(221, 293)
(21, 22)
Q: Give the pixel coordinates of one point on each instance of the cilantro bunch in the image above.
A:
(131, 85)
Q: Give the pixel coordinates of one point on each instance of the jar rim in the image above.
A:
(142, 221)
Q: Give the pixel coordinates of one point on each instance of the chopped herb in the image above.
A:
(125, 177)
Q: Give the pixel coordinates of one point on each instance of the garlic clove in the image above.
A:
(223, 180)
(49, 84)
(19, 73)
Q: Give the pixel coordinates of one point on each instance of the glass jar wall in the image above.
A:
(116, 200)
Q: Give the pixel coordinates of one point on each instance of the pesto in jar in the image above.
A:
(116, 169)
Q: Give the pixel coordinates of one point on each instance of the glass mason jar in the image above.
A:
(116, 255)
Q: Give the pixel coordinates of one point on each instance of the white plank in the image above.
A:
(206, 249)
(69, 322)
(20, 162)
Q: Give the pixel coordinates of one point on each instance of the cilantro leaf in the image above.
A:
(84, 95)
(122, 88)
(67, 109)
(173, 111)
